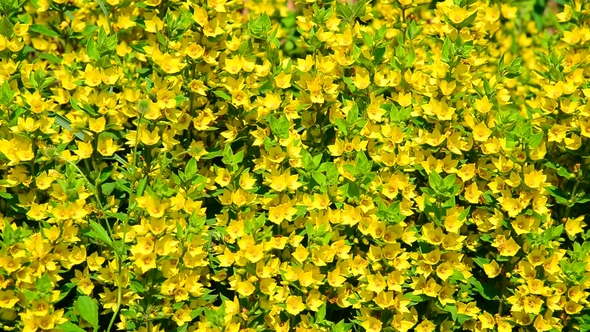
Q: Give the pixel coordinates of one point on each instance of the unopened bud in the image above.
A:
(50, 152)
(143, 106)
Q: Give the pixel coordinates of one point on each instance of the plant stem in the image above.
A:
(503, 284)
(92, 187)
(191, 103)
(117, 257)
(571, 200)
(136, 141)
(119, 295)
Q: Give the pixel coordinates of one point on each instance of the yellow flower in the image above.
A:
(492, 269)
(182, 316)
(245, 288)
(300, 254)
(572, 308)
(404, 100)
(371, 324)
(155, 206)
(314, 300)
(254, 253)
(575, 226)
(20, 148)
(92, 76)
(283, 80)
(444, 271)
(472, 193)
(8, 299)
(145, 262)
(534, 179)
(509, 12)
(566, 15)
(522, 224)
(509, 248)
(447, 87)
(457, 14)
(107, 146)
(481, 133)
(234, 65)
(533, 304)
(168, 63)
(361, 78)
(294, 305)
(83, 282)
(425, 326)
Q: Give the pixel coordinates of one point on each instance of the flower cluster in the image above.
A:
(280, 165)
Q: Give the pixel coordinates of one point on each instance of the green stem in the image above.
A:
(503, 284)
(428, 313)
(91, 186)
(119, 296)
(150, 297)
(571, 200)
(136, 142)
(191, 103)
(106, 14)
(119, 289)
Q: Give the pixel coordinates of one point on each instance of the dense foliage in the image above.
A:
(278, 165)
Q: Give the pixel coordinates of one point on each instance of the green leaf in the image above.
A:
(88, 309)
(415, 298)
(259, 26)
(6, 93)
(182, 328)
(514, 69)
(344, 11)
(141, 186)
(413, 30)
(63, 122)
(99, 233)
(321, 314)
(280, 127)
(222, 94)
(367, 38)
(50, 57)
(106, 14)
(238, 158)
(462, 318)
(351, 169)
(363, 165)
(92, 50)
(560, 196)
(43, 284)
(584, 323)
(435, 181)
(359, 8)
(561, 171)
(353, 115)
(44, 30)
(6, 27)
(481, 261)
(191, 168)
(319, 177)
(70, 327)
(449, 181)
(467, 22)
(341, 326)
(489, 292)
(353, 190)
(228, 155)
(447, 50)
(452, 310)
(535, 140)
